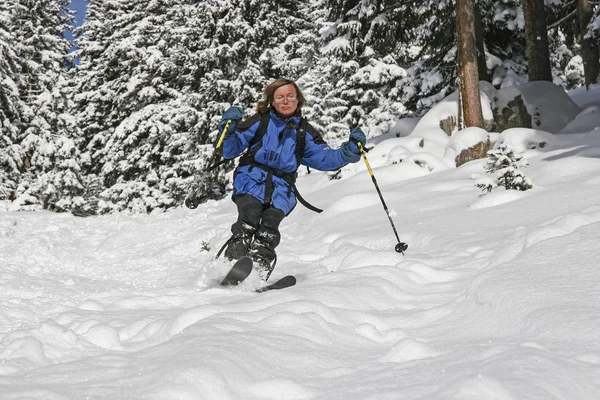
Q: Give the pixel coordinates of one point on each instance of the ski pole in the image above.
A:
(220, 141)
(217, 146)
(193, 203)
(401, 246)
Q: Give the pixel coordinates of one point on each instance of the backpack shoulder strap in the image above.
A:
(300, 134)
(301, 140)
(262, 128)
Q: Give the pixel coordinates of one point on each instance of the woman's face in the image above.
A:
(285, 100)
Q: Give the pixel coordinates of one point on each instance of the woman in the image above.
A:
(278, 140)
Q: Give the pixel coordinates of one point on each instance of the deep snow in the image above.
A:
(496, 298)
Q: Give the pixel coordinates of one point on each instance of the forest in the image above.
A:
(128, 121)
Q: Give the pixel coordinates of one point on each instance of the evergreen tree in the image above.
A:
(154, 79)
(357, 68)
(10, 152)
(51, 174)
(590, 50)
(428, 51)
(138, 123)
(505, 164)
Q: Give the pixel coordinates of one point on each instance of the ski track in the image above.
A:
(355, 296)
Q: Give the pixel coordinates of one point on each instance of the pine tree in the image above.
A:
(357, 68)
(50, 172)
(590, 50)
(139, 121)
(10, 108)
(505, 164)
(154, 79)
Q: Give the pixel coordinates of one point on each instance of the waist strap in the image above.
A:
(288, 177)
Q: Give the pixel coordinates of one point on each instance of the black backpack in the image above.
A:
(265, 117)
(289, 177)
(248, 157)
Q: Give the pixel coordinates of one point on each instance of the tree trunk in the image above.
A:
(481, 64)
(467, 64)
(536, 37)
(589, 46)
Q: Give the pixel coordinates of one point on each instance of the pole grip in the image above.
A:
(220, 141)
(364, 155)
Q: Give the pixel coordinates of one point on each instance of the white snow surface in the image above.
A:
(497, 297)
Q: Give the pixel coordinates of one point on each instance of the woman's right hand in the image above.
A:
(233, 114)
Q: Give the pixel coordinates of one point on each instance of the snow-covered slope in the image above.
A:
(496, 298)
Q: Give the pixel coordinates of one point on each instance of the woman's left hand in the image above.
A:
(350, 150)
(357, 135)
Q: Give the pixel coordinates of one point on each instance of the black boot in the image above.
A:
(263, 263)
(238, 247)
(249, 214)
(266, 239)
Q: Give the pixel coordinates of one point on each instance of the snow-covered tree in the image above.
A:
(10, 153)
(590, 50)
(132, 126)
(34, 118)
(50, 171)
(505, 165)
(9, 71)
(139, 123)
(154, 79)
(356, 69)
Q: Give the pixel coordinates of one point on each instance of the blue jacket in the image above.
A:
(277, 151)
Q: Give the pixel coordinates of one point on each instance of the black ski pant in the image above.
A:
(256, 231)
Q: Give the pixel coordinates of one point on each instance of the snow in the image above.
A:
(496, 297)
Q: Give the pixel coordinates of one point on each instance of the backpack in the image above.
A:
(260, 133)
(265, 117)
(290, 177)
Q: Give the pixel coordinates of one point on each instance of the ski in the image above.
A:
(240, 271)
(282, 283)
